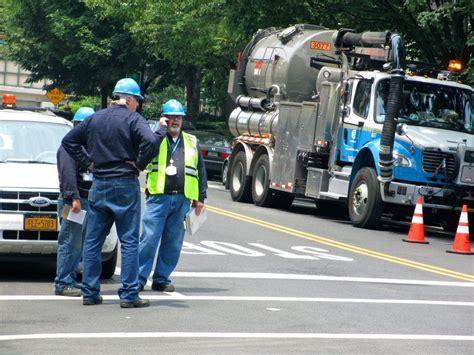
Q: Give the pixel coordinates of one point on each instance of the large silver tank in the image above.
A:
(253, 123)
(283, 58)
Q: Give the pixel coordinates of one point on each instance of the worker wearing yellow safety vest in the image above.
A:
(176, 180)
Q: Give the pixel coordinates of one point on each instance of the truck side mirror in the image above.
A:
(401, 129)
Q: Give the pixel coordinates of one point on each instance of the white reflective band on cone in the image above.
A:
(463, 218)
(417, 220)
(419, 209)
(463, 230)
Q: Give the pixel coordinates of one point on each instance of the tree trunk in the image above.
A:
(193, 94)
(103, 97)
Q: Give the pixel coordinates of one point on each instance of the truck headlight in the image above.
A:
(401, 160)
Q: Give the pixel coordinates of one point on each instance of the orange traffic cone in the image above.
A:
(416, 233)
(462, 244)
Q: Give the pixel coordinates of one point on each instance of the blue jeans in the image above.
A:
(163, 219)
(70, 239)
(112, 199)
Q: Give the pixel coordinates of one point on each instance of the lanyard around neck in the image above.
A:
(175, 146)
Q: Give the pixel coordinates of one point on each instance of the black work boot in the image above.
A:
(138, 303)
(163, 287)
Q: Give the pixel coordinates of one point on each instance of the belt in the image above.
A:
(125, 177)
(174, 192)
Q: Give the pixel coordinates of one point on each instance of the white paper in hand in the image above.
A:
(194, 222)
(77, 217)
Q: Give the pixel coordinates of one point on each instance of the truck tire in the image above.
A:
(240, 184)
(365, 202)
(108, 266)
(262, 195)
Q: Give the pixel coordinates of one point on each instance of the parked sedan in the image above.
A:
(215, 148)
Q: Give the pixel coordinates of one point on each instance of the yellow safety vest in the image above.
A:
(156, 169)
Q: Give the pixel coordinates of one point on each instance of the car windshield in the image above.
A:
(211, 139)
(436, 106)
(30, 142)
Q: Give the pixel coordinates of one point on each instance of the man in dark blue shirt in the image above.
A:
(120, 144)
(74, 185)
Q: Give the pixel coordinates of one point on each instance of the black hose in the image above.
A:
(388, 131)
(394, 102)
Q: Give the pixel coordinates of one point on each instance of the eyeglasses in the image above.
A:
(174, 117)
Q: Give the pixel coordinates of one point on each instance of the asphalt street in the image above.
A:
(263, 281)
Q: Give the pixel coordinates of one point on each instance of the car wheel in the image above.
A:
(108, 266)
(225, 171)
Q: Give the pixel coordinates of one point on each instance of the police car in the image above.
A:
(29, 187)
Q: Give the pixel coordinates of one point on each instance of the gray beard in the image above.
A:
(173, 130)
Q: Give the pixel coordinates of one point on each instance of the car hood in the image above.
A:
(29, 176)
(426, 137)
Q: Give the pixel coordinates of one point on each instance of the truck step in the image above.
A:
(332, 195)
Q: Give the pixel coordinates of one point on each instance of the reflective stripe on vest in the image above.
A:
(156, 169)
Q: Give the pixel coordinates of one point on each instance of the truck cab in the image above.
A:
(436, 123)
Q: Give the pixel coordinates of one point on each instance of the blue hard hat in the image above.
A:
(173, 108)
(83, 113)
(129, 87)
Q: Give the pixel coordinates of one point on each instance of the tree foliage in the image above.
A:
(64, 41)
(83, 45)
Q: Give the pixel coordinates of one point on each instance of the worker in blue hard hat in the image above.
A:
(176, 180)
(74, 185)
(119, 144)
(82, 114)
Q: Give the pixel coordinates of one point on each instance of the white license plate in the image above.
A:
(212, 154)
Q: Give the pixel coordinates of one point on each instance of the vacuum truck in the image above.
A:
(342, 117)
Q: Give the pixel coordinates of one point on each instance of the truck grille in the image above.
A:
(433, 159)
(15, 201)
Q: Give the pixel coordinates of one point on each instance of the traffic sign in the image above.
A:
(55, 96)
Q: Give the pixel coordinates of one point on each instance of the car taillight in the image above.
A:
(224, 155)
(203, 152)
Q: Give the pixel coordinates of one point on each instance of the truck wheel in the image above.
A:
(261, 193)
(240, 184)
(365, 201)
(108, 266)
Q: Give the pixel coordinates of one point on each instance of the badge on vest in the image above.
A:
(171, 169)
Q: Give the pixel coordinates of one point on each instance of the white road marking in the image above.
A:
(272, 276)
(118, 270)
(177, 296)
(121, 335)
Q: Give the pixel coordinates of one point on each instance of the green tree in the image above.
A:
(435, 31)
(66, 42)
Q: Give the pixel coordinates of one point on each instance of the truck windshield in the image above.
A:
(436, 106)
(30, 142)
